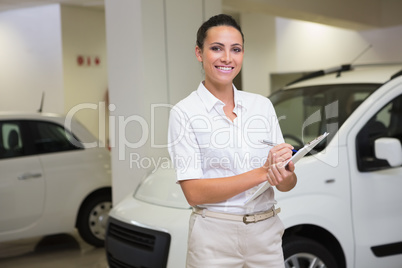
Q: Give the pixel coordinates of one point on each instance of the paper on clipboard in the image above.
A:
(296, 157)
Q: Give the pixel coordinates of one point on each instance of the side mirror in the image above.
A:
(389, 149)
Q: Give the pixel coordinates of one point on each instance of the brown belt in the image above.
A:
(233, 217)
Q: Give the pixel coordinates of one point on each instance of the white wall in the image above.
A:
(31, 59)
(84, 34)
(260, 52)
(151, 62)
(279, 45)
(386, 44)
(309, 46)
(38, 53)
(126, 89)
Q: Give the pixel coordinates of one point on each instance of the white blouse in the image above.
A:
(204, 143)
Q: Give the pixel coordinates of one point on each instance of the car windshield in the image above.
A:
(307, 112)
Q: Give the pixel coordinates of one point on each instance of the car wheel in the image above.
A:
(303, 252)
(92, 219)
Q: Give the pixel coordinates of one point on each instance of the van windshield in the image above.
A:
(307, 112)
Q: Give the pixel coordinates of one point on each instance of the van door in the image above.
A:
(376, 187)
(22, 186)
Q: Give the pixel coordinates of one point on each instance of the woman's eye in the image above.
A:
(237, 49)
(215, 48)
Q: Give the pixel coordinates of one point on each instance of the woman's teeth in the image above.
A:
(225, 68)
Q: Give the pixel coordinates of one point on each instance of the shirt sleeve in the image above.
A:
(183, 147)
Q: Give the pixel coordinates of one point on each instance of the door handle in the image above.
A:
(26, 176)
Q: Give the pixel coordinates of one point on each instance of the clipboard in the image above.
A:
(296, 157)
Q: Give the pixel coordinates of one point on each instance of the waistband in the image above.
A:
(247, 218)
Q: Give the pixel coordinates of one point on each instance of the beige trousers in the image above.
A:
(216, 243)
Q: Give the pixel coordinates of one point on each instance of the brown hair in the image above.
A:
(217, 20)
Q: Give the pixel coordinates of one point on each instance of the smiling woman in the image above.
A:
(207, 172)
(221, 60)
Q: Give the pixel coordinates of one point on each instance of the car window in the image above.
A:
(11, 144)
(51, 138)
(307, 112)
(387, 122)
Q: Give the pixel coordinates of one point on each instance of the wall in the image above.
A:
(386, 44)
(260, 52)
(309, 46)
(85, 84)
(151, 65)
(38, 53)
(31, 59)
(126, 89)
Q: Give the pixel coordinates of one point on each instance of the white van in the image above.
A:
(345, 211)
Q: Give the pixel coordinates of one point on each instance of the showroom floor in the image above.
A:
(61, 251)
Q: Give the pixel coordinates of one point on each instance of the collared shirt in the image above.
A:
(204, 143)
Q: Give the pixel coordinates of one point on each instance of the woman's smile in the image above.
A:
(225, 68)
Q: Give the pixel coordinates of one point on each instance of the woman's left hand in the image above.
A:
(283, 177)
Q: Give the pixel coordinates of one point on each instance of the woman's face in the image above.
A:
(222, 55)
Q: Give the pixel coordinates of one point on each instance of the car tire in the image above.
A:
(92, 219)
(305, 252)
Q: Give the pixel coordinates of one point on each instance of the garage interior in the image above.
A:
(369, 20)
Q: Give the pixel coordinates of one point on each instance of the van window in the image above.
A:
(307, 112)
(385, 123)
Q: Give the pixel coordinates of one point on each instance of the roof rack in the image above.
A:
(342, 68)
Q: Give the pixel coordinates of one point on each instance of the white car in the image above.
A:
(346, 209)
(50, 182)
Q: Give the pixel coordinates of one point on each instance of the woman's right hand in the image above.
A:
(277, 173)
(278, 154)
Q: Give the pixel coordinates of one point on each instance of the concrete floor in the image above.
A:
(61, 251)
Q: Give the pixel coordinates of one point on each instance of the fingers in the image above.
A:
(273, 177)
(282, 146)
(283, 151)
(278, 154)
(278, 173)
(290, 166)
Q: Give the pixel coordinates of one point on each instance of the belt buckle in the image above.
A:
(245, 219)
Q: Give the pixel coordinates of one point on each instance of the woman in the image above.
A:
(214, 137)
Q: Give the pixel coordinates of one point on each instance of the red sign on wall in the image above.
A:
(83, 60)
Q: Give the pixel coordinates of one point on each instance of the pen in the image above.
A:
(270, 143)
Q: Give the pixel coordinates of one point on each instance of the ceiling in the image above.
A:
(350, 14)
(15, 4)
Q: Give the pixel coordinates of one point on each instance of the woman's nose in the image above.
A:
(226, 57)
